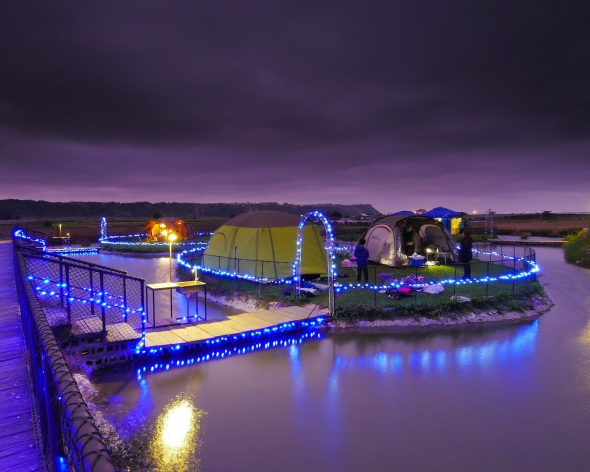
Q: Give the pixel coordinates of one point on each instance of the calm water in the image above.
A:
(157, 269)
(510, 399)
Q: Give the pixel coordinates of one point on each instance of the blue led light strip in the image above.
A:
(76, 251)
(123, 239)
(19, 233)
(533, 269)
(51, 289)
(215, 354)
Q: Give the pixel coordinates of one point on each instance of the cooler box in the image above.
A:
(416, 260)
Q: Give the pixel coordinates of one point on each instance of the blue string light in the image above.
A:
(20, 234)
(242, 345)
(530, 271)
(76, 251)
(47, 288)
(128, 239)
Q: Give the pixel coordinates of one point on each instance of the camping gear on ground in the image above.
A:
(391, 239)
(308, 292)
(460, 298)
(413, 279)
(388, 279)
(400, 292)
(416, 260)
(320, 287)
(346, 263)
(434, 289)
(243, 243)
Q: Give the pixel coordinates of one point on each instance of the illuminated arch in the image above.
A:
(331, 266)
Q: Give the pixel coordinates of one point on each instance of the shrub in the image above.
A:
(577, 248)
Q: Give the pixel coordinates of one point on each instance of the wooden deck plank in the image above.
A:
(218, 329)
(241, 325)
(18, 433)
(233, 325)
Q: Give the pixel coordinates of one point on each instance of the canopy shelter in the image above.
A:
(160, 230)
(402, 213)
(449, 218)
(392, 239)
(264, 244)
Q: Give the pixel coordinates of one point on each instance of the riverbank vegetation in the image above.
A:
(577, 248)
(521, 301)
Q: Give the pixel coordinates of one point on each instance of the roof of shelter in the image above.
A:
(392, 220)
(442, 212)
(264, 219)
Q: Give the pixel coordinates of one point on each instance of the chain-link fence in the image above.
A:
(261, 279)
(70, 438)
(494, 271)
(87, 297)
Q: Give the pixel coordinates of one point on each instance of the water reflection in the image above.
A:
(176, 440)
(480, 355)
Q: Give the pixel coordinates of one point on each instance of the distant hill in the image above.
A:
(12, 209)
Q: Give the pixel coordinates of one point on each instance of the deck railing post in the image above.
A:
(125, 298)
(61, 282)
(69, 295)
(415, 284)
(92, 292)
(375, 284)
(102, 298)
(261, 282)
(513, 272)
(487, 279)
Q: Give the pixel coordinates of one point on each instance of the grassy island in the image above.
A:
(577, 248)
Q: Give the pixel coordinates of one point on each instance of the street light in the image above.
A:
(171, 238)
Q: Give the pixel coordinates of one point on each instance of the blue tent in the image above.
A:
(402, 213)
(446, 216)
(442, 212)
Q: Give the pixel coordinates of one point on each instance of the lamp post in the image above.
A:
(60, 230)
(171, 239)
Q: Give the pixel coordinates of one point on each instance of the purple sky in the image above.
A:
(401, 104)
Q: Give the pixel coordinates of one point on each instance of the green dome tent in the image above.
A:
(263, 244)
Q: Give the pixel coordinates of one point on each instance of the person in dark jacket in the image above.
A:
(362, 260)
(465, 254)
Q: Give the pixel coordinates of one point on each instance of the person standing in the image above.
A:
(362, 260)
(465, 253)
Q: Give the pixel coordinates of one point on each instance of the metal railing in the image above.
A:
(496, 269)
(70, 438)
(90, 294)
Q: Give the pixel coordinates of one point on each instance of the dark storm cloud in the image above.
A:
(297, 101)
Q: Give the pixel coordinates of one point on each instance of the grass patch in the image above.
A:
(577, 248)
(505, 302)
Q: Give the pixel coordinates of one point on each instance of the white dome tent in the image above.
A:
(391, 240)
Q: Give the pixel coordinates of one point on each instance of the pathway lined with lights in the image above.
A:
(244, 327)
(18, 429)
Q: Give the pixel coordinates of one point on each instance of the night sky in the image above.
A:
(401, 104)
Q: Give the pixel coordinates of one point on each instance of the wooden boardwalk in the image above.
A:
(19, 441)
(235, 325)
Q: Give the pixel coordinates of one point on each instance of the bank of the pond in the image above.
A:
(577, 248)
(453, 320)
(132, 251)
(460, 313)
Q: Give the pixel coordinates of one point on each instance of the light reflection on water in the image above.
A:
(156, 270)
(466, 357)
(175, 444)
(513, 398)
